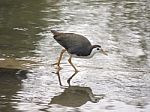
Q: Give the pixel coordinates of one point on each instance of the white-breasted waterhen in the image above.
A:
(76, 45)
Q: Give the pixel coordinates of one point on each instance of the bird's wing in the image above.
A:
(71, 40)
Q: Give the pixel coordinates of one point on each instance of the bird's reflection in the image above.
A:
(75, 96)
(69, 79)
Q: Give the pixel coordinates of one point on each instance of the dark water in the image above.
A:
(119, 82)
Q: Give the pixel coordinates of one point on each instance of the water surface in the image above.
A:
(119, 82)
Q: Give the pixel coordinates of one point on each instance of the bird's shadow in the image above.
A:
(76, 96)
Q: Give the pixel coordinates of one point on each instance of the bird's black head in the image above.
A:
(97, 48)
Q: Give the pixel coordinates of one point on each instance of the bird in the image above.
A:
(76, 45)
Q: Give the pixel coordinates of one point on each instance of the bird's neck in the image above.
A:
(92, 51)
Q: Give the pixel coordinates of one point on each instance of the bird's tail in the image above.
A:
(55, 32)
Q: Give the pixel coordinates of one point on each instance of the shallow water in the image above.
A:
(119, 82)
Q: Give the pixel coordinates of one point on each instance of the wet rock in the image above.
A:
(12, 74)
(10, 84)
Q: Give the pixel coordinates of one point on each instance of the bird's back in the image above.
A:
(72, 41)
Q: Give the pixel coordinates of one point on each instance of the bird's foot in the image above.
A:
(76, 71)
(56, 66)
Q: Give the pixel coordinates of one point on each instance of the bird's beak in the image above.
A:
(103, 52)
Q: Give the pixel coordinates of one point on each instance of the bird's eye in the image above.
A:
(98, 48)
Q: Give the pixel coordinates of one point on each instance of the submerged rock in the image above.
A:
(12, 74)
(10, 84)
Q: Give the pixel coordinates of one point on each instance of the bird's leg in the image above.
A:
(59, 59)
(69, 60)
(61, 54)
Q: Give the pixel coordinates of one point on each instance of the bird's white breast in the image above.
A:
(85, 57)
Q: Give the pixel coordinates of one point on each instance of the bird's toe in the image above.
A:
(57, 67)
